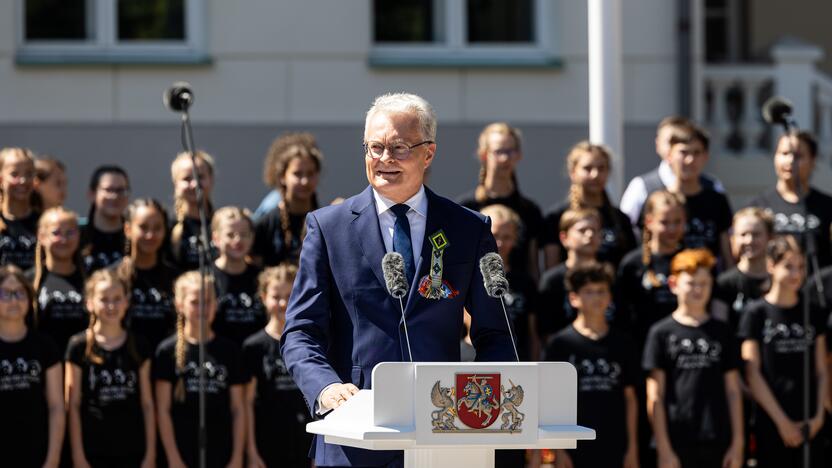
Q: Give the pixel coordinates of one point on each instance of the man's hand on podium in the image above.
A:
(335, 395)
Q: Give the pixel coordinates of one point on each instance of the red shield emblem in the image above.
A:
(478, 399)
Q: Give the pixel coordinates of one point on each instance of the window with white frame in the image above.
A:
(108, 31)
(462, 32)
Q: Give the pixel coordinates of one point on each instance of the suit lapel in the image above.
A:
(366, 228)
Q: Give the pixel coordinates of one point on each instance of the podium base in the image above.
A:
(455, 457)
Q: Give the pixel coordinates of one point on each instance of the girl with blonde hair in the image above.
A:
(185, 232)
(18, 208)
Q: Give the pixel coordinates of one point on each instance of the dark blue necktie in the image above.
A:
(401, 239)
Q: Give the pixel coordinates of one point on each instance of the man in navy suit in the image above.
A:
(341, 321)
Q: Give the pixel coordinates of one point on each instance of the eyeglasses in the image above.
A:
(117, 191)
(7, 295)
(375, 149)
(65, 233)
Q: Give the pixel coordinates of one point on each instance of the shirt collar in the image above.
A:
(417, 203)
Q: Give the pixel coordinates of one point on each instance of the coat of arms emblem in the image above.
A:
(477, 401)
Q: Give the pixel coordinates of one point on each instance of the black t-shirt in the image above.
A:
(605, 367)
(555, 310)
(782, 339)
(186, 256)
(789, 219)
(530, 215)
(239, 310)
(101, 249)
(223, 368)
(112, 421)
(270, 242)
(521, 302)
(695, 360)
(616, 232)
(640, 302)
(152, 314)
(736, 289)
(18, 240)
(61, 309)
(708, 217)
(24, 432)
(279, 407)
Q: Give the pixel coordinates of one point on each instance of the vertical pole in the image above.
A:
(605, 109)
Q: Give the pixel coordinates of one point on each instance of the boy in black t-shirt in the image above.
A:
(693, 390)
(607, 368)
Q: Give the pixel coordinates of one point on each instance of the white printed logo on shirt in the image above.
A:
(61, 305)
(216, 377)
(787, 338)
(275, 370)
(112, 384)
(693, 354)
(596, 375)
(19, 374)
(794, 223)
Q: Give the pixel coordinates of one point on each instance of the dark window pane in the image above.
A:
(56, 20)
(403, 20)
(500, 21)
(151, 20)
(716, 46)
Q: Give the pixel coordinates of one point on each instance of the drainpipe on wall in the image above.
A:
(684, 71)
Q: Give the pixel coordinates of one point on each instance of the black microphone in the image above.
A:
(178, 97)
(392, 266)
(496, 285)
(778, 110)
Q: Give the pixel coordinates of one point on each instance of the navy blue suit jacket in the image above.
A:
(341, 321)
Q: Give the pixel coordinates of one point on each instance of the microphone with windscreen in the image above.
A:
(178, 97)
(496, 285)
(392, 266)
(778, 110)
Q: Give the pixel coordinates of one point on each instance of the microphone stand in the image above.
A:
(812, 257)
(204, 263)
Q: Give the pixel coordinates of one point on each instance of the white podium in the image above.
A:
(456, 414)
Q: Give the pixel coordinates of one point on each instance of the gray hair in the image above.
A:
(405, 103)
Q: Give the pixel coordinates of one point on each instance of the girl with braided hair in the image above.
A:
(184, 234)
(294, 168)
(58, 277)
(588, 166)
(111, 414)
(18, 208)
(146, 266)
(499, 150)
(176, 375)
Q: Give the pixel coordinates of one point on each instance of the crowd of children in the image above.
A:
(683, 320)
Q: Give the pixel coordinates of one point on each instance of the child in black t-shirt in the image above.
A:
(274, 405)
(239, 310)
(293, 167)
(31, 375)
(151, 313)
(693, 390)
(607, 368)
(642, 291)
(589, 166)
(185, 232)
(58, 277)
(102, 237)
(111, 418)
(752, 229)
(176, 373)
(708, 211)
(521, 300)
(580, 235)
(50, 181)
(774, 342)
(19, 206)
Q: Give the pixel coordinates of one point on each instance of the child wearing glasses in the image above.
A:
(111, 416)
(58, 277)
(294, 168)
(31, 376)
(18, 208)
(498, 151)
(102, 237)
(239, 310)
